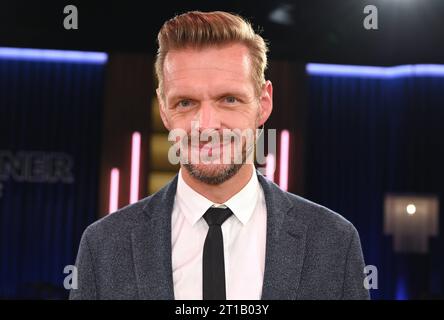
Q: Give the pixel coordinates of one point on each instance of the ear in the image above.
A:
(163, 115)
(266, 102)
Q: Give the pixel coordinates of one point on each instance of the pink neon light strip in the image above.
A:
(284, 158)
(114, 191)
(270, 166)
(135, 167)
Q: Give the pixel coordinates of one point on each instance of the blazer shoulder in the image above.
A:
(124, 219)
(117, 222)
(319, 217)
(307, 212)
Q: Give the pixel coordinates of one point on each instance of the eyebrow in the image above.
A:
(235, 93)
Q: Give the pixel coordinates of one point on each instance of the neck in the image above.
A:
(222, 192)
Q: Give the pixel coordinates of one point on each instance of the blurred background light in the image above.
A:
(53, 55)
(375, 72)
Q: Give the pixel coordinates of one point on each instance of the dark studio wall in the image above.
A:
(50, 124)
(369, 137)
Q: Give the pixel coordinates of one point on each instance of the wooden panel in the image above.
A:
(158, 179)
(157, 123)
(290, 112)
(159, 153)
(128, 93)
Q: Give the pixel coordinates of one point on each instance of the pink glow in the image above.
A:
(114, 191)
(135, 167)
(284, 158)
(270, 166)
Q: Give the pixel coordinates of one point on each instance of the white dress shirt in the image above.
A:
(244, 235)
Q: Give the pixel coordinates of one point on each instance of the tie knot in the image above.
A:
(217, 216)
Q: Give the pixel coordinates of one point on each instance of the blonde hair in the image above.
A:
(197, 29)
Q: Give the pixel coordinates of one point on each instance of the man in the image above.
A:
(218, 230)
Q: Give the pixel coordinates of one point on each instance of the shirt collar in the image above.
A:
(242, 204)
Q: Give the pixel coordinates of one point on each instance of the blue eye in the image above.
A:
(230, 99)
(185, 103)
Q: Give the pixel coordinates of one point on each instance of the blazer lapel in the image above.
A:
(285, 245)
(151, 246)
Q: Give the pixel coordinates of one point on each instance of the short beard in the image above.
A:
(226, 174)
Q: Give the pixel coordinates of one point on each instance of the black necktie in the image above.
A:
(213, 255)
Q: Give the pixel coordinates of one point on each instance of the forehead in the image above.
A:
(207, 65)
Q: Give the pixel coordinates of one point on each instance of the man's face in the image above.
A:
(212, 89)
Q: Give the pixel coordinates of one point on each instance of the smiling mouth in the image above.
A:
(210, 147)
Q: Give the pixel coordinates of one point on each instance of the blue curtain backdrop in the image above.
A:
(49, 136)
(370, 136)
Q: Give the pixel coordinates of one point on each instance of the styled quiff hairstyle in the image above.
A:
(197, 29)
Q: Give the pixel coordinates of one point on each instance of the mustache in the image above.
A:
(212, 138)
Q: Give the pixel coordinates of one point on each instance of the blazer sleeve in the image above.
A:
(353, 286)
(86, 282)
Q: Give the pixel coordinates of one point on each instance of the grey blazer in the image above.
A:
(311, 252)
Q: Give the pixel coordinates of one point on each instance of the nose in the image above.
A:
(208, 117)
